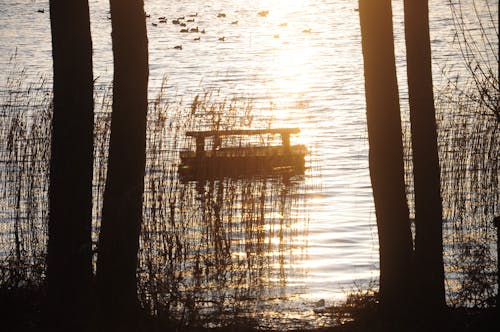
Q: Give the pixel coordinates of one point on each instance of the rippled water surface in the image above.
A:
(300, 64)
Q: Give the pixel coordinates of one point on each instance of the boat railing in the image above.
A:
(200, 136)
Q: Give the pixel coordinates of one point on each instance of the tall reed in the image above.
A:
(470, 134)
(24, 156)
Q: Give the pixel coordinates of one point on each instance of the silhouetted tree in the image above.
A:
(69, 272)
(122, 206)
(386, 154)
(426, 173)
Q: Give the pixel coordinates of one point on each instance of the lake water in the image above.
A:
(300, 64)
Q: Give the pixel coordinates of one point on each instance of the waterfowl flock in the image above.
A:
(190, 24)
(187, 22)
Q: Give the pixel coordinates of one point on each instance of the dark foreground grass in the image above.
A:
(22, 310)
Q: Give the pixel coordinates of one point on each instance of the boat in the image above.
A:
(243, 160)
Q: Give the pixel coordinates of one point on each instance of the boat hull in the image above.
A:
(242, 162)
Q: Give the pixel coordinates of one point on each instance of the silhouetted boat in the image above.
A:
(240, 161)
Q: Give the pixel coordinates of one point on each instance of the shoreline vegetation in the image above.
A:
(24, 186)
(209, 250)
(23, 311)
(25, 133)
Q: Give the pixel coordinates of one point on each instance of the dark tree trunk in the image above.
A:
(386, 154)
(122, 207)
(426, 174)
(69, 259)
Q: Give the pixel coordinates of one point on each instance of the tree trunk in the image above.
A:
(122, 207)
(69, 274)
(426, 173)
(386, 154)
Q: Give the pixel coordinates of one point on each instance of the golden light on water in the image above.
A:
(287, 63)
(291, 57)
(292, 63)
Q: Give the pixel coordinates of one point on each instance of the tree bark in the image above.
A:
(426, 172)
(386, 154)
(69, 271)
(123, 196)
